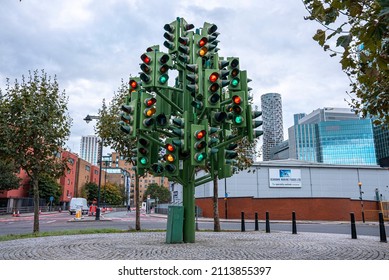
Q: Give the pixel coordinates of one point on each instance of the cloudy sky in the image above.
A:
(92, 45)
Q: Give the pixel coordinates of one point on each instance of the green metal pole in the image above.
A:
(189, 203)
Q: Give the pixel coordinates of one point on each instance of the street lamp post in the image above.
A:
(88, 119)
(360, 197)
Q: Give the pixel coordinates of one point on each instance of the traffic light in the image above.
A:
(143, 153)
(135, 84)
(252, 124)
(147, 110)
(234, 76)
(147, 66)
(199, 144)
(237, 109)
(163, 63)
(184, 48)
(180, 129)
(217, 118)
(200, 48)
(194, 84)
(171, 158)
(171, 35)
(128, 123)
(212, 88)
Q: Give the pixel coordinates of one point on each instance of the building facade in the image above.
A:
(89, 148)
(333, 136)
(313, 190)
(273, 132)
(381, 138)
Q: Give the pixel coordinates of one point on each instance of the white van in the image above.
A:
(78, 203)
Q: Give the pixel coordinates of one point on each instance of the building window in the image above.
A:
(87, 167)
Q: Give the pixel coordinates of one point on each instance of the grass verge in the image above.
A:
(58, 233)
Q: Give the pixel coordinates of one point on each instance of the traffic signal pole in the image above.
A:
(188, 203)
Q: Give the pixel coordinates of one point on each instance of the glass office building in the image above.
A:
(333, 136)
(346, 142)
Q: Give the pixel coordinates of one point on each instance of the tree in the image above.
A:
(8, 178)
(156, 191)
(90, 191)
(34, 125)
(108, 129)
(48, 187)
(112, 194)
(244, 160)
(358, 31)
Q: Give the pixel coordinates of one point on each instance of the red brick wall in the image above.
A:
(327, 209)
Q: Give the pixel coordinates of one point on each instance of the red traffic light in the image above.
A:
(133, 84)
(170, 147)
(202, 42)
(213, 77)
(145, 58)
(150, 101)
(200, 134)
(236, 99)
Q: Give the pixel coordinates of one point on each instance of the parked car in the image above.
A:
(78, 203)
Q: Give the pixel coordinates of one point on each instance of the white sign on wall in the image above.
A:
(284, 178)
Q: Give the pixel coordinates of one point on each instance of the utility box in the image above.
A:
(175, 224)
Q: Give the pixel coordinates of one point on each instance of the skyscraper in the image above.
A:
(89, 148)
(273, 132)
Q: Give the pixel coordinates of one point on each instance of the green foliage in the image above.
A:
(157, 191)
(90, 191)
(112, 194)
(108, 126)
(34, 126)
(8, 178)
(48, 187)
(358, 31)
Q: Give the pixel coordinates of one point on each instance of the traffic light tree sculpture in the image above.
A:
(191, 124)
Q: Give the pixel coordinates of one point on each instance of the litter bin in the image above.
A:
(175, 224)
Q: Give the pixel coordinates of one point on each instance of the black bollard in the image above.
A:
(382, 227)
(294, 226)
(256, 221)
(242, 227)
(267, 223)
(353, 228)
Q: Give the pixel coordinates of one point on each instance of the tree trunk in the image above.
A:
(137, 209)
(36, 205)
(216, 220)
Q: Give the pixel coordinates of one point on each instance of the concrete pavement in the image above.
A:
(209, 245)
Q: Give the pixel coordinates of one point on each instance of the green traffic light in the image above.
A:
(199, 157)
(163, 79)
(235, 82)
(238, 119)
(143, 160)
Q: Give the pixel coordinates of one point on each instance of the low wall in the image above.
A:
(326, 209)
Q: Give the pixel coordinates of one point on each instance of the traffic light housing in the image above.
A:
(147, 111)
(128, 123)
(199, 144)
(171, 35)
(252, 124)
(163, 64)
(195, 83)
(234, 75)
(148, 68)
(143, 153)
(171, 158)
(237, 109)
(212, 88)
